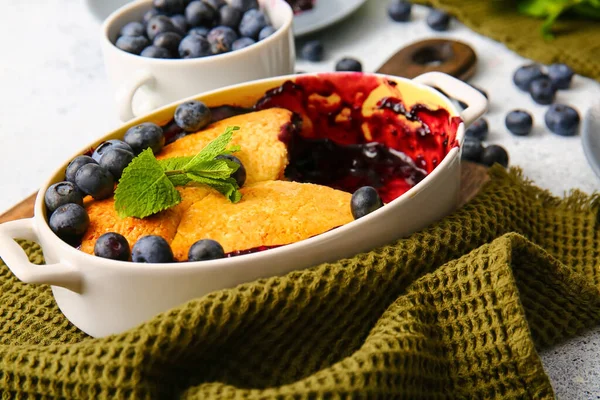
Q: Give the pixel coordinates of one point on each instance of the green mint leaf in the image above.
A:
(216, 147)
(175, 163)
(227, 187)
(216, 169)
(144, 189)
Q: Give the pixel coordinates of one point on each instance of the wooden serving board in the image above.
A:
(473, 176)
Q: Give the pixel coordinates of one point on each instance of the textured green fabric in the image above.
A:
(576, 42)
(458, 310)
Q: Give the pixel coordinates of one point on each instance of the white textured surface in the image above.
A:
(55, 99)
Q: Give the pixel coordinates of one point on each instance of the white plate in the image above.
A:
(323, 14)
(590, 137)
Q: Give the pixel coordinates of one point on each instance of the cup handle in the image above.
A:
(457, 89)
(124, 95)
(15, 258)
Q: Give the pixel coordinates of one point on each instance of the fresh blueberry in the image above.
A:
(198, 13)
(472, 149)
(159, 24)
(115, 161)
(478, 129)
(169, 41)
(152, 249)
(95, 180)
(562, 120)
(364, 201)
(132, 44)
(438, 20)
(266, 32)
(62, 193)
(313, 51)
(156, 52)
(399, 11)
(542, 91)
(109, 145)
(527, 74)
(194, 46)
(69, 221)
(519, 122)
(170, 7)
(206, 249)
(242, 42)
(145, 135)
(192, 115)
(133, 29)
(230, 16)
(240, 174)
(494, 154)
(480, 90)
(74, 166)
(180, 23)
(560, 75)
(148, 15)
(348, 64)
(252, 22)
(244, 5)
(216, 4)
(221, 39)
(200, 31)
(113, 246)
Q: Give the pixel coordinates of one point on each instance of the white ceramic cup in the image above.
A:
(143, 84)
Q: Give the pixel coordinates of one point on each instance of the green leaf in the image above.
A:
(144, 189)
(216, 147)
(175, 163)
(228, 187)
(217, 169)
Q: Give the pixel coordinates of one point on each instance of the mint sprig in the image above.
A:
(147, 185)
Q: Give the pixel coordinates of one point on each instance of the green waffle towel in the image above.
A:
(576, 43)
(459, 310)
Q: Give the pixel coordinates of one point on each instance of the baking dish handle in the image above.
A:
(457, 89)
(17, 261)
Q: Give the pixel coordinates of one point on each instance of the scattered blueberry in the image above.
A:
(230, 16)
(96, 181)
(159, 24)
(438, 20)
(252, 22)
(494, 154)
(113, 246)
(527, 74)
(266, 32)
(313, 51)
(62, 193)
(216, 4)
(152, 249)
(170, 7)
(151, 13)
(562, 120)
(206, 249)
(169, 41)
(519, 122)
(108, 145)
(74, 166)
(242, 42)
(472, 149)
(560, 75)
(133, 29)
(180, 23)
(200, 31)
(364, 201)
(115, 161)
(198, 13)
(194, 46)
(132, 44)
(244, 5)
(192, 115)
(240, 174)
(399, 11)
(478, 129)
(69, 221)
(221, 39)
(155, 52)
(145, 135)
(348, 64)
(542, 91)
